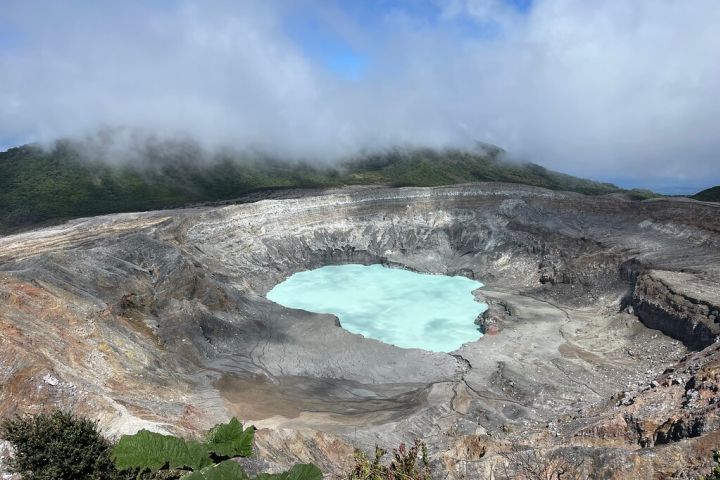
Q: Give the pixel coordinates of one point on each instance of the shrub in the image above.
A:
(57, 446)
(406, 464)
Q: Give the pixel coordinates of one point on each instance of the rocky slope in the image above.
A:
(159, 320)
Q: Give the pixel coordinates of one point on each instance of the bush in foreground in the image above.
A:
(58, 446)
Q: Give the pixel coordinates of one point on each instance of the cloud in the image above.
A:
(612, 89)
(500, 12)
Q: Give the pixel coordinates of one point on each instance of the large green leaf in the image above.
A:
(227, 470)
(155, 451)
(298, 472)
(230, 439)
(198, 455)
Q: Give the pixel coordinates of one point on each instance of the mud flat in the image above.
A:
(601, 327)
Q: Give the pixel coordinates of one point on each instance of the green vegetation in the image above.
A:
(406, 464)
(62, 446)
(38, 186)
(58, 446)
(230, 440)
(709, 195)
(153, 451)
(227, 470)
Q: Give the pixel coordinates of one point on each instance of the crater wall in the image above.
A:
(159, 320)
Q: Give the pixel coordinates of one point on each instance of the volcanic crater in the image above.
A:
(600, 337)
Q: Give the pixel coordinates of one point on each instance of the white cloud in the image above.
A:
(603, 89)
(483, 11)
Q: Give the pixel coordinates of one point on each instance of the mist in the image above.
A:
(612, 90)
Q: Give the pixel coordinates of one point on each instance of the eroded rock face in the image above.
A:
(679, 305)
(159, 320)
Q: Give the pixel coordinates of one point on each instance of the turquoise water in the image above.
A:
(403, 308)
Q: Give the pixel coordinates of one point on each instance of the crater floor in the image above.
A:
(602, 323)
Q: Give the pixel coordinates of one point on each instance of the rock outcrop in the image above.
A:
(679, 305)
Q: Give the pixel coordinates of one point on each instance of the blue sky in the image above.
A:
(613, 90)
(329, 47)
(11, 38)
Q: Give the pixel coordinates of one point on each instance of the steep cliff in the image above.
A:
(680, 306)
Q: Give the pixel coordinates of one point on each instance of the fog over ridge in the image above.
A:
(608, 90)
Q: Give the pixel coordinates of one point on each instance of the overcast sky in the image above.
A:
(619, 90)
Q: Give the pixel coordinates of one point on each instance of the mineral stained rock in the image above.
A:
(606, 351)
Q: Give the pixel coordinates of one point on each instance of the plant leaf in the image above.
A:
(230, 439)
(155, 451)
